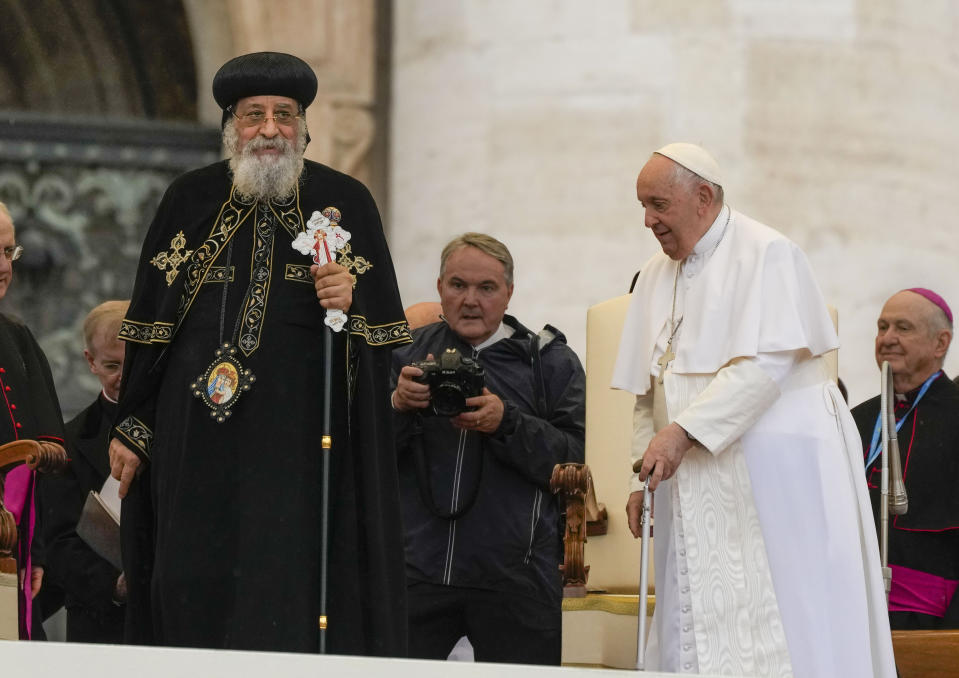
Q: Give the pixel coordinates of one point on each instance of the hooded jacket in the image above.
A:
(508, 539)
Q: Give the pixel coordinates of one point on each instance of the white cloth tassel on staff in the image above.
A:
(643, 578)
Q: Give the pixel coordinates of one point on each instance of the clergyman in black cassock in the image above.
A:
(914, 336)
(926, 538)
(221, 531)
(29, 410)
(93, 589)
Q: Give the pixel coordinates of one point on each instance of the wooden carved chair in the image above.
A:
(44, 457)
(584, 518)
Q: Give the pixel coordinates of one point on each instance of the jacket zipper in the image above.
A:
(534, 519)
(451, 537)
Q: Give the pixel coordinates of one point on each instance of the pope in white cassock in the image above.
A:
(766, 557)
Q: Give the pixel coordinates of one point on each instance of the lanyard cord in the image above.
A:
(875, 447)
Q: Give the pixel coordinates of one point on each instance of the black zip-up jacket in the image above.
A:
(508, 540)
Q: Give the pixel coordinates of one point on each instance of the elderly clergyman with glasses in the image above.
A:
(29, 410)
(217, 443)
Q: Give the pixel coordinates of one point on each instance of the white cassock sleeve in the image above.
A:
(739, 394)
(642, 434)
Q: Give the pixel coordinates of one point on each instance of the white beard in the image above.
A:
(265, 177)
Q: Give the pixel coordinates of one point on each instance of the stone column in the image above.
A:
(338, 38)
(343, 40)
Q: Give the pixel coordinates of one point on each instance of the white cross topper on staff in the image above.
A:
(322, 239)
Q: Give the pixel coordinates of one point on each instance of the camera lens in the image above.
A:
(448, 399)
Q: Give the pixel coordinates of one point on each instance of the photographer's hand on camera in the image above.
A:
(410, 394)
(487, 416)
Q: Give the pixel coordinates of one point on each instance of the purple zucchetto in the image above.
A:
(264, 73)
(934, 298)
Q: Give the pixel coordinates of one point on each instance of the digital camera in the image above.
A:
(452, 379)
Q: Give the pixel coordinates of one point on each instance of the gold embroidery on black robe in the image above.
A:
(136, 433)
(355, 264)
(170, 261)
(298, 273)
(232, 214)
(199, 269)
(145, 333)
(254, 310)
(380, 335)
(219, 274)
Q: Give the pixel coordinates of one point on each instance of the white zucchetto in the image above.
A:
(694, 158)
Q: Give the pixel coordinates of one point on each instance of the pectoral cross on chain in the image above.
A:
(669, 356)
(665, 359)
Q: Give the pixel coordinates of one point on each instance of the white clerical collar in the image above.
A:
(712, 237)
(106, 397)
(502, 332)
(694, 263)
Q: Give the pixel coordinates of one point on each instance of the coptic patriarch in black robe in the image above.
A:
(221, 531)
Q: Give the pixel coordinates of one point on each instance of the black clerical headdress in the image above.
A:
(263, 73)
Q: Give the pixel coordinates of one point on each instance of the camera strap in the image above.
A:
(423, 477)
(538, 342)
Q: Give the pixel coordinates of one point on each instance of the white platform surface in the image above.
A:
(55, 660)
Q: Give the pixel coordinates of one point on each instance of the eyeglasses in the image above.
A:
(13, 253)
(257, 118)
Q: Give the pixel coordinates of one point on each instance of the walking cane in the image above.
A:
(644, 519)
(892, 489)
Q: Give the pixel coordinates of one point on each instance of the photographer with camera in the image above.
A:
(484, 408)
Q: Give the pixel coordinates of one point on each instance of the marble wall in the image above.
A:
(833, 120)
